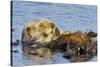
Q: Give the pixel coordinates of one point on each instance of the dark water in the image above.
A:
(67, 17)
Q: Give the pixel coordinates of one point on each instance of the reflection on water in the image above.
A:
(67, 17)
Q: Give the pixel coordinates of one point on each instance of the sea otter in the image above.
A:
(38, 33)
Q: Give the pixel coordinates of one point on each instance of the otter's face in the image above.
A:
(45, 32)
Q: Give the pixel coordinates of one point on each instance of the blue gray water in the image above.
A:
(67, 17)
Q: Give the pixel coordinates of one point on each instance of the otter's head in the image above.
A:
(40, 31)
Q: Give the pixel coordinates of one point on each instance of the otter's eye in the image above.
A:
(45, 34)
(28, 29)
(40, 25)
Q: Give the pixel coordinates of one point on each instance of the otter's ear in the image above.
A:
(56, 31)
(52, 25)
(28, 29)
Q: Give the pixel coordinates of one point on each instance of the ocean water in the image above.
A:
(67, 17)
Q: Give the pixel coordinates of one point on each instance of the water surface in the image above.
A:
(67, 17)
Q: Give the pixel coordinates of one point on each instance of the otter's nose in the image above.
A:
(44, 34)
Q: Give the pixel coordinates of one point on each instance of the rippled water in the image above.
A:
(67, 17)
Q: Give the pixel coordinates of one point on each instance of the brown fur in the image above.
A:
(72, 42)
(78, 38)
